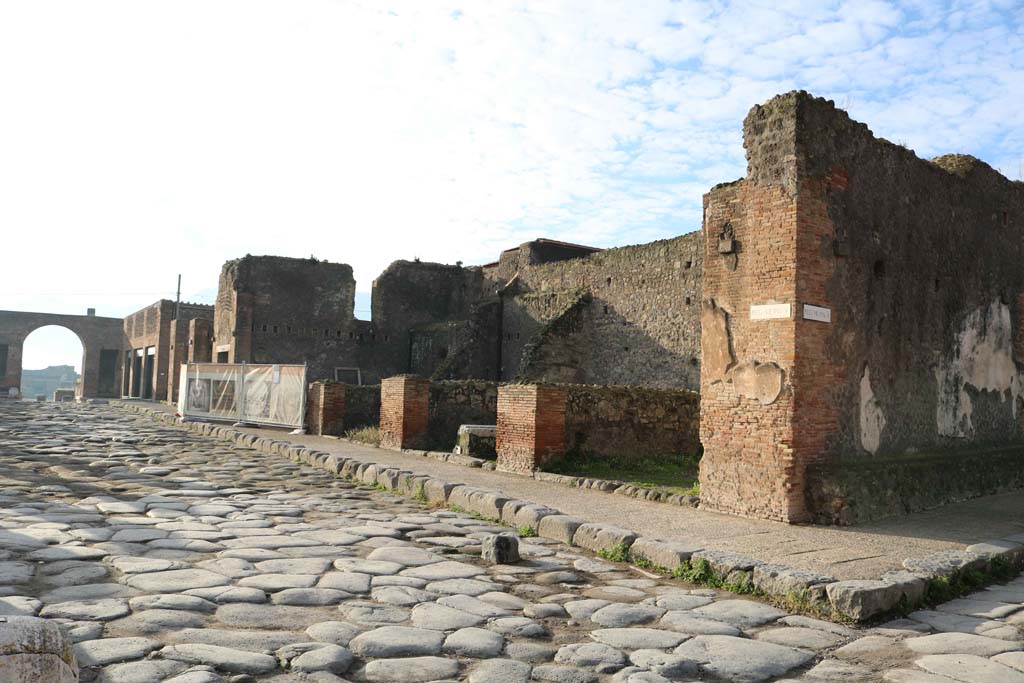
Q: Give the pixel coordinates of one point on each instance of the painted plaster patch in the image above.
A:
(872, 420)
(982, 359)
(715, 346)
(761, 381)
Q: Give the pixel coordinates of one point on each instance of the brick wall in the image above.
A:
(404, 409)
(325, 408)
(531, 426)
(917, 264)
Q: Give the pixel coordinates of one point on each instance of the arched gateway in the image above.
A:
(102, 340)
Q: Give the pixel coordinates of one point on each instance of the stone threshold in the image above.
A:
(856, 600)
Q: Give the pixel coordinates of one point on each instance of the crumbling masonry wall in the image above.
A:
(623, 316)
(908, 361)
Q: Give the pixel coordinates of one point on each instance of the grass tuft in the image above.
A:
(367, 435)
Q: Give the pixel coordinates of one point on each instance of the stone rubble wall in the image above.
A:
(631, 423)
(455, 403)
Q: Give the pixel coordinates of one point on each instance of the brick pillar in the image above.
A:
(404, 404)
(325, 408)
(531, 426)
(766, 413)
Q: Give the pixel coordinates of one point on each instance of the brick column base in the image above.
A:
(325, 409)
(404, 402)
(531, 426)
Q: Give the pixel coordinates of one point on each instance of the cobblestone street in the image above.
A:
(172, 557)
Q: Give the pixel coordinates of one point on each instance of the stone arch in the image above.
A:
(102, 343)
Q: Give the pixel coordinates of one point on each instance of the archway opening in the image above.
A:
(51, 360)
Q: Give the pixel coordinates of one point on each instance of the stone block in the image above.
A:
(500, 549)
(911, 586)
(945, 563)
(779, 580)
(722, 562)
(481, 501)
(1011, 551)
(598, 537)
(862, 599)
(438, 490)
(34, 650)
(508, 512)
(559, 527)
(531, 515)
(666, 554)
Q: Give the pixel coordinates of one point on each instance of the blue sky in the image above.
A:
(142, 139)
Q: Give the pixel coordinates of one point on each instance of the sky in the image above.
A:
(140, 140)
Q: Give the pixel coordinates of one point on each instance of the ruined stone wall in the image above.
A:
(641, 325)
(362, 405)
(423, 313)
(632, 423)
(914, 269)
(272, 309)
(455, 403)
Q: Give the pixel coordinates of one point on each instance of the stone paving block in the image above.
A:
(599, 537)
(668, 555)
(863, 599)
(559, 527)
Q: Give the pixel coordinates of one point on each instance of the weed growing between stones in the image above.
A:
(421, 494)
(942, 589)
(526, 531)
(617, 553)
(367, 435)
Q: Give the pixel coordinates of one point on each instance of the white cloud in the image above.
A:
(142, 139)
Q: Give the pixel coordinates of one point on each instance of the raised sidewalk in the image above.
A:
(845, 553)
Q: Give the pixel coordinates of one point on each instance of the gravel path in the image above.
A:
(170, 557)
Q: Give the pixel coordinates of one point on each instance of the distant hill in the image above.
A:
(44, 382)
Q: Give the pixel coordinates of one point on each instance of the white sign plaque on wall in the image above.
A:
(819, 313)
(769, 311)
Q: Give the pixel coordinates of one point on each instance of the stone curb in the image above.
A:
(859, 599)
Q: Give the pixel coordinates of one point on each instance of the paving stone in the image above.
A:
(176, 581)
(618, 615)
(112, 650)
(562, 674)
(969, 669)
(440, 571)
(350, 582)
(805, 638)
(637, 638)
(147, 671)
(670, 666)
(742, 614)
(397, 641)
(20, 606)
(474, 642)
(333, 658)
(434, 616)
(500, 671)
(740, 659)
(960, 643)
(597, 656)
(222, 658)
(86, 610)
(156, 621)
(336, 632)
(309, 596)
(411, 670)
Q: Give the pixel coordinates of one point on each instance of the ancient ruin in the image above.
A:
(851, 315)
